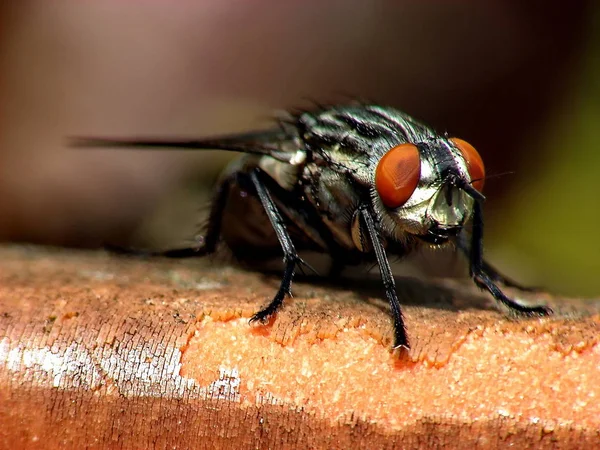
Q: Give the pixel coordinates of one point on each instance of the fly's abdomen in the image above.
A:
(249, 235)
(246, 229)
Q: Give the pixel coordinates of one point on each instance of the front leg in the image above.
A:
(400, 336)
(484, 280)
(290, 256)
(462, 243)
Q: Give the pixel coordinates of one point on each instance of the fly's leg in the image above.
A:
(215, 219)
(400, 336)
(484, 280)
(491, 271)
(211, 234)
(290, 256)
(503, 279)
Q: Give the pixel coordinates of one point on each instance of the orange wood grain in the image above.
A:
(100, 351)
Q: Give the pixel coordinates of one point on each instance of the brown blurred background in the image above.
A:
(519, 80)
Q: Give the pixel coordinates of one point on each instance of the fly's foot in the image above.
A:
(533, 311)
(483, 281)
(265, 314)
(262, 317)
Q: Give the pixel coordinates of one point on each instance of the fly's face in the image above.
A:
(427, 189)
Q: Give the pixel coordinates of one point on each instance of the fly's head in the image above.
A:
(427, 189)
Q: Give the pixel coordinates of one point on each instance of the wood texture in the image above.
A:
(98, 351)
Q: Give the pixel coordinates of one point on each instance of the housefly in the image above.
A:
(358, 182)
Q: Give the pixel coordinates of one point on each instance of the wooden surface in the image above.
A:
(99, 351)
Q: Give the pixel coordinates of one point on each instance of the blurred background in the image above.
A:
(519, 80)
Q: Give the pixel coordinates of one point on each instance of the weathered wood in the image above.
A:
(99, 351)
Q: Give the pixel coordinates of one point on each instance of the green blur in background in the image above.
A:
(554, 218)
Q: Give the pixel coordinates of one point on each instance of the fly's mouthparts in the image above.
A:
(445, 231)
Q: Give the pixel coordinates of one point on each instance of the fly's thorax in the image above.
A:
(335, 195)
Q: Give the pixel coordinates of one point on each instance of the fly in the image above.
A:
(356, 182)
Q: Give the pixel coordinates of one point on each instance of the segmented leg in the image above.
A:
(491, 271)
(400, 336)
(482, 279)
(290, 256)
(497, 277)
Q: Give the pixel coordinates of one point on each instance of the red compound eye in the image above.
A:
(474, 163)
(397, 175)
